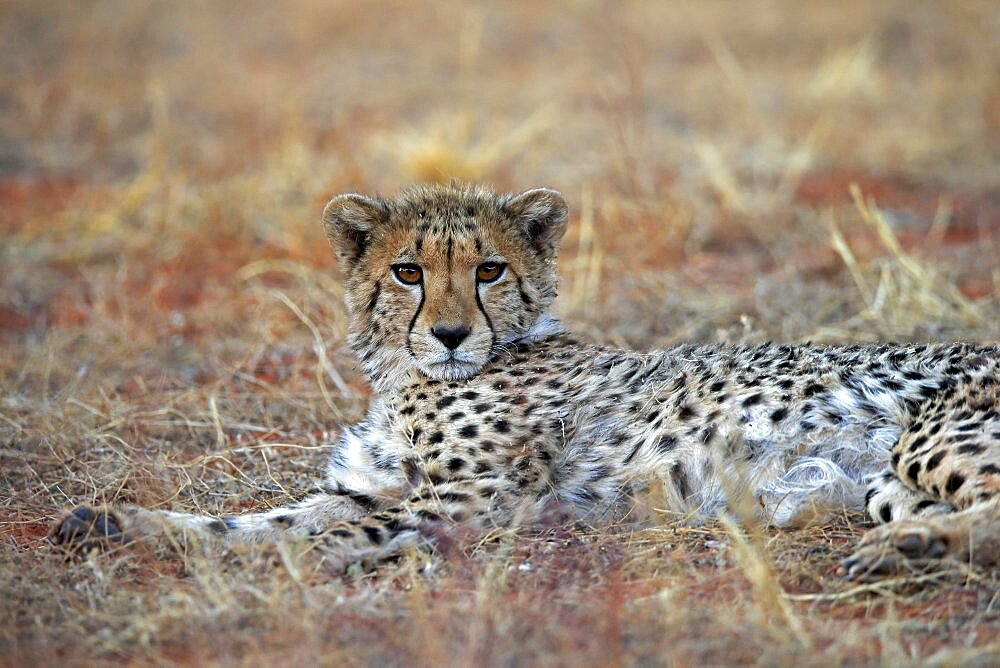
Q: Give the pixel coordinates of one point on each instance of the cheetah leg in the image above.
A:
(332, 535)
(913, 546)
(428, 512)
(889, 499)
(943, 500)
(87, 527)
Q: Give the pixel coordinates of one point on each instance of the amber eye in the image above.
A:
(488, 272)
(408, 273)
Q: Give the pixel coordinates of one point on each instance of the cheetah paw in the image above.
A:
(84, 528)
(895, 548)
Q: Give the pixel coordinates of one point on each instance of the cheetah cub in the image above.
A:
(489, 415)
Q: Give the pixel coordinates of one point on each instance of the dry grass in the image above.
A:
(172, 330)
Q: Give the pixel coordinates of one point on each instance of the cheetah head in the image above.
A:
(441, 278)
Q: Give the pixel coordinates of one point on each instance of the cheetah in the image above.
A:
(487, 414)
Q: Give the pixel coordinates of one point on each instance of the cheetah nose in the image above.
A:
(451, 337)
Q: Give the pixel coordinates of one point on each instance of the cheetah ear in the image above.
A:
(543, 214)
(349, 221)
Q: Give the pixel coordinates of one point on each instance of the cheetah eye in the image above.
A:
(488, 272)
(409, 274)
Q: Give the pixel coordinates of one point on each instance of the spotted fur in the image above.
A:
(519, 418)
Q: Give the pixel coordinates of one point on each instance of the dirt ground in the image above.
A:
(172, 329)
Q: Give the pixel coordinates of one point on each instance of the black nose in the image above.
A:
(451, 337)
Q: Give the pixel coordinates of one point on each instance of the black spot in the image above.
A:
(453, 496)
(374, 534)
(885, 512)
(395, 525)
(912, 470)
(470, 395)
(455, 463)
(501, 425)
(893, 385)
(987, 469)
(933, 462)
(779, 414)
(812, 389)
(283, 520)
(363, 500)
(444, 402)
(435, 438)
(753, 400)
(481, 408)
(679, 476)
(917, 442)
(666, 443)
(920, 505)
(872, 491)
(218, 526)
(469, 431)
(456, 416)
(971, 449)
(955, 481)
(407, 410)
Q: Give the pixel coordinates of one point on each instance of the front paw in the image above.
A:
(85, 527)
(896, 548)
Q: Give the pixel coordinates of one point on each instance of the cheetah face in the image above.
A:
(440, 279)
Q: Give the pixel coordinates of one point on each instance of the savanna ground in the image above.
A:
(172, 334)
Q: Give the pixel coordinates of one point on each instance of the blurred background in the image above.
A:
(149, 154)
(739, 171)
